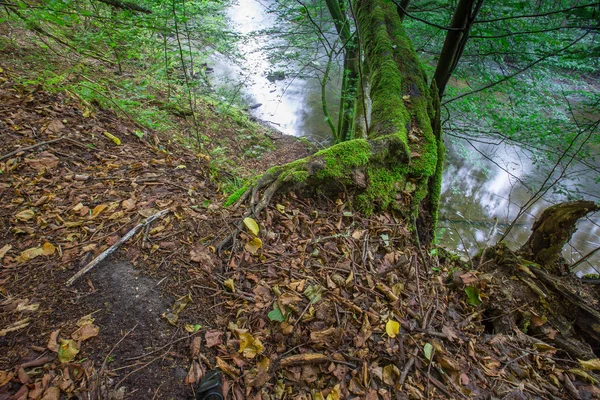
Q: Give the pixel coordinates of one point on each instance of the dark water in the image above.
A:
(478, 193)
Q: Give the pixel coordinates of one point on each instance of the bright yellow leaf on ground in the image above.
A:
(253, 246)
(392, 328)
(229, 284)
(250, 346)
(48, 249)
(251, 225)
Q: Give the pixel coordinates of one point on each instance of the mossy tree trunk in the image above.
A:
(552, 230)
(399, 165)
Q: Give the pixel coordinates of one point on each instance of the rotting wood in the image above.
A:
(114, 247)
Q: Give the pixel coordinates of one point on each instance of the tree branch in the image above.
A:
(517, 72)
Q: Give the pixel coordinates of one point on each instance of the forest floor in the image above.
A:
(328, 304)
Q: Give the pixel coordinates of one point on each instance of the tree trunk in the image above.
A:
(455, 41)
(552, 231)
(399, 165)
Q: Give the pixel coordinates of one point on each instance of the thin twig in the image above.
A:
(114, 247)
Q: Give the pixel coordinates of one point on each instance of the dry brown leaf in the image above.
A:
(213, 338)
(85, 332)
(25, 215)
(194, 374)
(195, 346)
(45, 161)
(4, 250)
(53, 342)
(52, 393)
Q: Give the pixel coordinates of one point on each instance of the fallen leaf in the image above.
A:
(173, 315)
(195, 374)
(249, 345)
(473, 296)
(97, 210)
(45, 161)
(25, 215)
(30, 254)
(67, 350)
(195, 346)
(428, 351)
(226, 368)
(335, 393)
(228, 283)
(392, 328)
(5, 377)
(85, 332)
(213, 338)
(52, 393)
(591, 365)
(48, 249)
(251, 225)
(4, 250)
(128, 204)
(53, 342)
(253, 246)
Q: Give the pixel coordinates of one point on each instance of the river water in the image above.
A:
(480, 196)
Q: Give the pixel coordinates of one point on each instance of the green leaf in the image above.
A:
(428, 351)
(275, 314)
(139, 134)
(473, 295)
(313, 293)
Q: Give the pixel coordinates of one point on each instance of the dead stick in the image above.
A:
(114, 247)
(12, 153)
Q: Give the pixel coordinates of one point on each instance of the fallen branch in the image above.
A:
(114, 247)
(12, 153)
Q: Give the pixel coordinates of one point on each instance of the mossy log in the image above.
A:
(399, 165)
(552, 230)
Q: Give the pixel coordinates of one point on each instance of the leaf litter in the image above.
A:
(314, 301)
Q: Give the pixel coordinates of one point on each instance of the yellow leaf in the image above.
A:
(250, 346)
(592, 365)
(280, 208)
(229, 284)
(25, 215)
(98, 209)
(30, 254)
(253, 246)
(67, 350)
(180, 167)
(251, 225)
(335, 393)
(392, 328)
(112, 137)
(48, 249)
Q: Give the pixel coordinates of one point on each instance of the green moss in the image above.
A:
(384, 183)
(235, 196)
(300, 176)
(343, 157)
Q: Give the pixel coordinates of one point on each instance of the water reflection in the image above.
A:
(292, 104)
(476, 190)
